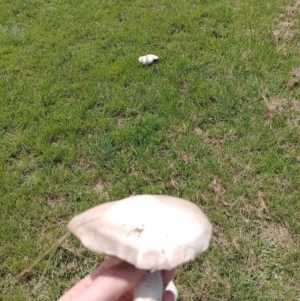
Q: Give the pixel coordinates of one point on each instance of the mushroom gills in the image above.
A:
(150, 288)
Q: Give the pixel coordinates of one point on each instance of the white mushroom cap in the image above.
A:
(147, 59)
(152, 232)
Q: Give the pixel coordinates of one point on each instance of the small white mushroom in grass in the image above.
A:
(148, 59)
(152, 232)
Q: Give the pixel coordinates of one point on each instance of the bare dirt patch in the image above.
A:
(215, 192)
(186, 157)
(286, 30)
(276, 235)
(100, 190)
(275, 106)
(291, 10)
(281, 106)
(283, 31)
(53, 201)
(216, 141)
(294, 121)
(218, 188)
(121, 121)
(294, 79)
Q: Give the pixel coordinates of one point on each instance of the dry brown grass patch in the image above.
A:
(283, 184)
(283, 31)
(291, 10)
(121, 121)
(279, 106)
(241, 173)
(83, 164)
(294, 121)
(218, 188)
(276, 235)
(213, 279)
(256, 208)
(200, 288)
(216, 192)
(219, 239)
(275, 106)
(186, 157)
(294, 79)
(175, 133)
(34, 288)
(100, 189)
(216, 141)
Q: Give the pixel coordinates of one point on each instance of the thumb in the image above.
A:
(111, 283)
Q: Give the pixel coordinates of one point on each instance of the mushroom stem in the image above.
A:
(150, 287)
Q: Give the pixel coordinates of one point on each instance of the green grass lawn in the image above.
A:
(215, 121)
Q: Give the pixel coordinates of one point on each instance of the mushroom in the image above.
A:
(148, 59)
(152, 232)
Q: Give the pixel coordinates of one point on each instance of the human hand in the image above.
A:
(113, 280)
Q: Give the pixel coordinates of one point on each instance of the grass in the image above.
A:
(216, 121)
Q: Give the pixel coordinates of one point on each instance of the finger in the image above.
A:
(168, 296)
(105, 265)
(171, 289)
(167, 276)
(88, 280)
(111, 283)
